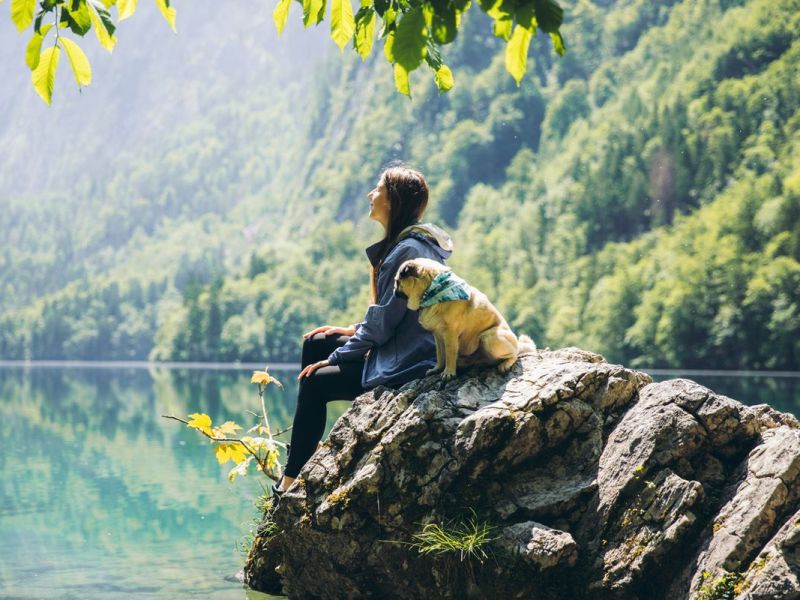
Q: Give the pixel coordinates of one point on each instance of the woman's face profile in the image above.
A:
(379, 204)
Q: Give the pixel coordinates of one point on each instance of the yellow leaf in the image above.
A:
(44, 75)
(444, 78)
(200, 421)
(260, 377)
(230, 451)
(343, 25)
(222, 454)
(280, 14)
(22, 13)
(401, 80)
(167, 11)
(106, 40)
(272, 459)
(34, 49)
(79, 62)
(125, 8)
(517, 52)
(237, 453)
(228, 428)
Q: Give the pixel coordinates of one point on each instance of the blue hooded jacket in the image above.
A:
(400, 349)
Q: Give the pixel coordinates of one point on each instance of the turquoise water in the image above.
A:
(100, 497)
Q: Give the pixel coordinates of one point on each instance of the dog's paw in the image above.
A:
(448, 375)
(433, 371)
(505, 366)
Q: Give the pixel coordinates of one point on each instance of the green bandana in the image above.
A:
(445, 286)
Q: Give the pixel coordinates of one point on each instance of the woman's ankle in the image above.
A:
(286, 482)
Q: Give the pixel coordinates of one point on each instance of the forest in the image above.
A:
(638, 197)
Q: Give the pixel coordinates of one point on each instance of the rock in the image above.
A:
(568, 477)
(539, 544)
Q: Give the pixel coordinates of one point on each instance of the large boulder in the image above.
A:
(583, 479)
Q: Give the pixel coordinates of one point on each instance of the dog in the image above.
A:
(468, 329)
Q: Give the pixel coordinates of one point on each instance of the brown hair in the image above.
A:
(408, 198)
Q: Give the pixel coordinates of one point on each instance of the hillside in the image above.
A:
(639, 197)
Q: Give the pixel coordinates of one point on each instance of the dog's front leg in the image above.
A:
(439, 355)
(450, 354)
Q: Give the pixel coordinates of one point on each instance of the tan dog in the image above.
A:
(468, 329)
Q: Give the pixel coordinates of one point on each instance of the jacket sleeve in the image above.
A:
(382, 319)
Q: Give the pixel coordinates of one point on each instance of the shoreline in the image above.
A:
(285, 366)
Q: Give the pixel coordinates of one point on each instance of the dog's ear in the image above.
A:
(408, 270)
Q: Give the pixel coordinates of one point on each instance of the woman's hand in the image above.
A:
(330, 330)
(309, 369)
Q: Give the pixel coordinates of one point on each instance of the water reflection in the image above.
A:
(101, 497)
(782, 393)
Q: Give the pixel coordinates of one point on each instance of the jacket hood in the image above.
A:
(436, 237)
(431, 231)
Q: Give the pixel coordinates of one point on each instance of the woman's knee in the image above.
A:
(311, 349)
(317, 347)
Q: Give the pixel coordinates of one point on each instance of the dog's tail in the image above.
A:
(525, 344)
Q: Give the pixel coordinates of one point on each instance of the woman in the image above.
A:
(389, 346)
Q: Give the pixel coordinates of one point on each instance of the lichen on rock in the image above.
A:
(597, 483)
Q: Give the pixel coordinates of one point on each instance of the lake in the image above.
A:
(101, 497)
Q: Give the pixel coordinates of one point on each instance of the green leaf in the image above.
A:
(34, 47)
(517, 52)
(103, 26)
(549, 15)
(401, 80)
(79, 20)
(409, 46)
(381, 6)
(37, 22)
(526, 17)
(388, 20)
(388, 47)
(313, 12)
(280, 14)
(444, 79)
(125, 9)
(80, 64)
(44, 75)
(444, 27)
(167, 12)
(502, 27)
(343, 26)
(22, 13)
(365, 31)
(498, 9)
(432, 57)
(558, 42)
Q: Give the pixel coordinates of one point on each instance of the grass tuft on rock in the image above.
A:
(467, 538)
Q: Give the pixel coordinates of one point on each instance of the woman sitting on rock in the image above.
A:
(389, 346)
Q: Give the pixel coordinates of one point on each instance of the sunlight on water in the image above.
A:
(101, 497)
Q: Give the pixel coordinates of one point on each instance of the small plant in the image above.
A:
(719, 588)
(261, 448)
(466, 538)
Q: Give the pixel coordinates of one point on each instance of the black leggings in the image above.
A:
(342, 382)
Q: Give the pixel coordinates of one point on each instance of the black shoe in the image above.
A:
(276, 488)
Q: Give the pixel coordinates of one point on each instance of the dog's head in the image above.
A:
(413, 278)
